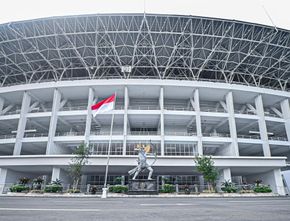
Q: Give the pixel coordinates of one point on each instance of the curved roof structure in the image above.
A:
(144, 46)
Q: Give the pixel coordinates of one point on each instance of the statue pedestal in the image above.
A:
(142, 187)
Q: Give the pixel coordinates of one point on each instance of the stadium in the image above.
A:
(188, 85)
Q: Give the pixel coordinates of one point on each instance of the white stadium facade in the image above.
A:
(188, 85)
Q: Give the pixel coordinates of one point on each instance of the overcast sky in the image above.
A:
(245, 10)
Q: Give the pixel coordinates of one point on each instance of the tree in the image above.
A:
(205, 165)
(82, 153)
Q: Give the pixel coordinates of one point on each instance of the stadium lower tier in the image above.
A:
(245, 129)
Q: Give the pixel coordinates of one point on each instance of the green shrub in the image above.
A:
(262, 189)
(167, 188)
(118, 189)
(73, 191)
(229, 187)
(53, 188)
(19, 188)
(246, 191)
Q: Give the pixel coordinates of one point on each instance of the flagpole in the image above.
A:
(105, 189)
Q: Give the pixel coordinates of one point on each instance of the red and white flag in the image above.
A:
(104, 105)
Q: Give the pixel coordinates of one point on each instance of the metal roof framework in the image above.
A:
(144, 46)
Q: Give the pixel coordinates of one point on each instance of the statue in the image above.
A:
(142, 162)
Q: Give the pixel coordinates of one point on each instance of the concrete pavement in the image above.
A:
(141, 209)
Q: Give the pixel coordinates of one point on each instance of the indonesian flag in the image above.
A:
(104, 105)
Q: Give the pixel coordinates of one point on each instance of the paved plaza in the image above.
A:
(58, 209)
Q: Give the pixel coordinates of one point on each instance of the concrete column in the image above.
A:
(198, 122)
(83, 183)
(262, 125)
(55, 174)
(285, 107)
(232, 124)
(22, 123)
(89, 116)
(225, 175)
(162, 181)
(3, 175)
(161, 103)
(123, 180)
(125, 128)
(1, 104)
(53, 122)
(201, 183)
(59, 173)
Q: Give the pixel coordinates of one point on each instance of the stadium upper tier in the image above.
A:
(144, 46)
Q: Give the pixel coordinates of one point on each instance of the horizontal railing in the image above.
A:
(248, 112)
(278, 138)
(13, 112)
(208, 109)
(271, 115)
(69, 134)
(74, 108)
(38, 110)
(141, 133)
(249, 136)
(215, 135)
(143, 107)
(36, 135)
(168, 152)
(177, 108)
(180, 133)
(106, 133)
(7, 136)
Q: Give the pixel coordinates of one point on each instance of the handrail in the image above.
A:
(41, 110)
(216, 135)
(177, 108)
(106, 133)
(179, 153)
(207, 109)
(271, 115)
(7, 136)
(278, 138)
(249, 136)
(180, 133)
(74, 108)
(69, 133)
(248, 112)
(35, 135)
(143, 107)
(144, 133)
(13, 112)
